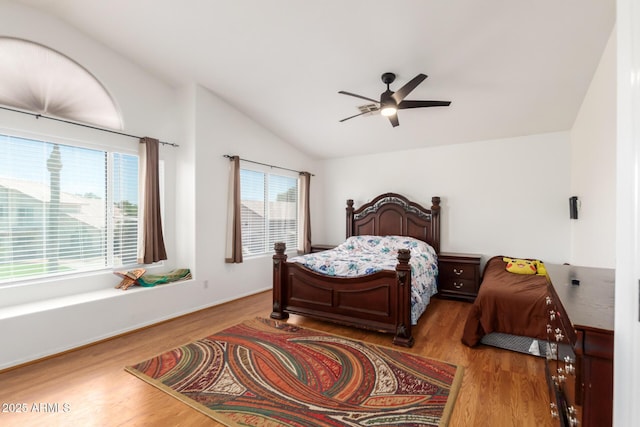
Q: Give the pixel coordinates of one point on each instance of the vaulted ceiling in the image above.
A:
(509, 67)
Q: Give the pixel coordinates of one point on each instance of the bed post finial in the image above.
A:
(404, 255)
(436, 203)
(279, 247)
(349, 218)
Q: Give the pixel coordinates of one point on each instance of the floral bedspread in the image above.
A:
(362, 255)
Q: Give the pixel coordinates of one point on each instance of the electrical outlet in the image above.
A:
(206, 284)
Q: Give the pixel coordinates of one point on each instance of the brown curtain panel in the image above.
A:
(304, 214)
(152, 242)
(233, 250)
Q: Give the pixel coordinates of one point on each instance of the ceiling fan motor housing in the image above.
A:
(388, 78)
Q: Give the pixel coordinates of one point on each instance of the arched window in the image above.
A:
(41, 80)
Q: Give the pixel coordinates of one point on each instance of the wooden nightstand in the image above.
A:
(320, 247)
(458, 275)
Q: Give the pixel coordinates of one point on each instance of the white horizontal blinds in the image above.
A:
(268, 210)
(283, 211)
(252, 211)
(53, 209)
(23, 207)
(124, 218)
(74, 229)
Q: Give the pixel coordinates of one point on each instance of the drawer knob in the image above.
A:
(570, 369)
(458, 272)
(458, 285)
(554, 410)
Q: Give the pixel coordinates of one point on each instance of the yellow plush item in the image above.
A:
(542, 271)
(520, 266)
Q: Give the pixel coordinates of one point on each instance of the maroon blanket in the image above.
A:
(509, 303)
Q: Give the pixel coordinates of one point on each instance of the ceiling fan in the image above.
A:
(390, 102)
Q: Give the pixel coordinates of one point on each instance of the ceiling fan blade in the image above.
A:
(419, 104)
(356, 115)
(359, 96)
(394, 120)
(401, 93)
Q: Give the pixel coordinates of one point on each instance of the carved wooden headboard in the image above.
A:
(392, 214)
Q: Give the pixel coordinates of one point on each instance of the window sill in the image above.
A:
(81, 298)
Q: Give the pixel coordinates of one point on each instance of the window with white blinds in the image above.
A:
(269, 210)
(65, 208)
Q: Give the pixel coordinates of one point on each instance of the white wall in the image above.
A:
(626, 381)
(499, 197)
(593, 168)
(50, 316)
(220, 130)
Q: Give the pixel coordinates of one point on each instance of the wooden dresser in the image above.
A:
(581, 312)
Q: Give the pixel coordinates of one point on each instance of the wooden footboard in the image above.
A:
(380, 301)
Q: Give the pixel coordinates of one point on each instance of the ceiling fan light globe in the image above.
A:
(388, 111)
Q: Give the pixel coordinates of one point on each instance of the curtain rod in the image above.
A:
(263, 164)
(38, 116)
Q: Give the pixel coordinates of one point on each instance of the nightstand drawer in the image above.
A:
(466, 286)
(598, 344)
(458, 271)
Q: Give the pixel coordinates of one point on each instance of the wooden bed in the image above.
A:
(512, 304)
(379, 301)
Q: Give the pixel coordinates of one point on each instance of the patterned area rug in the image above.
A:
(269, 373)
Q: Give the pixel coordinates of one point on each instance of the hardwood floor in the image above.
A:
(89, 387)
